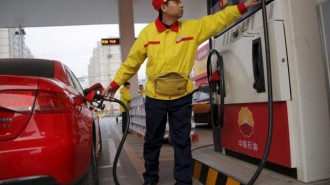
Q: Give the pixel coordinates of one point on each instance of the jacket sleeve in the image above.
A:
(208, 26)
(131, 65)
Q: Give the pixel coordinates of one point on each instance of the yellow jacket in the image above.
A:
(125, 97)
(141, 91)
(172, 50)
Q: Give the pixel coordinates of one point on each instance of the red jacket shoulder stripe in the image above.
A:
(184, 39)
(151, 42)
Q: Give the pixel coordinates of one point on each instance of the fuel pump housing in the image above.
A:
(300, 145)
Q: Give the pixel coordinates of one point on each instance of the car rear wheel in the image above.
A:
(91, 178)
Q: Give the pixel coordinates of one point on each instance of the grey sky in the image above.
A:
(72, 45)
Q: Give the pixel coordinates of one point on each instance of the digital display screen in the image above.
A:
(110, 41)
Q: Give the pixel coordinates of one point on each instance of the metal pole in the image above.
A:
(21, 33)
(22, 42)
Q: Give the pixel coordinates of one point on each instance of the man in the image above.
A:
(171, 46)
(141, 89)
(125, 97)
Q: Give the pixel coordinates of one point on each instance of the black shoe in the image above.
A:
(151, 183)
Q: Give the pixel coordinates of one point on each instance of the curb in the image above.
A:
(209, 176)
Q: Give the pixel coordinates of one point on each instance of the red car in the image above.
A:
(201, 105)
(49, 133)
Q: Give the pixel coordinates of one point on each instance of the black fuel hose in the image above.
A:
(270, 97)
(121, 144)
(213, 87)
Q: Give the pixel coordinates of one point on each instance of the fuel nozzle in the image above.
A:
(93, 95)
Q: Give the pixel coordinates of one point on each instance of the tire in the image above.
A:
(91, 178)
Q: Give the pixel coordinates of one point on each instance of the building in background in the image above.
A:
(83, 81)
(104, 63)
(12, 43)
(102, 68)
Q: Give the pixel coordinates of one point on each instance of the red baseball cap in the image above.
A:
(157, 4)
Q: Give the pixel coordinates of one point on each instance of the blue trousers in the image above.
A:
(124, 122)
(179, 116)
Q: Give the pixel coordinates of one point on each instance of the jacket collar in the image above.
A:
(160, 27)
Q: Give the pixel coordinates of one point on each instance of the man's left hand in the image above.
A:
(252, 3)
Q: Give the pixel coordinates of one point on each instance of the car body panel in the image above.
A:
(201, 105)
(50, 143)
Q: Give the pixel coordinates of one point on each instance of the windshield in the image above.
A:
(202, 94)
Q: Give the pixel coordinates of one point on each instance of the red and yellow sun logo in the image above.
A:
(245, 122)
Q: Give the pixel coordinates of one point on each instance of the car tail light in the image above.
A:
(17, 106)
(52, 102)
(17, 100)
(15, 111)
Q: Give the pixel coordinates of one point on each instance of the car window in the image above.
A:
(76, 83)
(204, 93)
(70, 79)
(33, 67)
(194, 97)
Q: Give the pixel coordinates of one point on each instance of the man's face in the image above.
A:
(174, 8)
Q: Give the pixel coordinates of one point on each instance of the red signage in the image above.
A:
(245, 131)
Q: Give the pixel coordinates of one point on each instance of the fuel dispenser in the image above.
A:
(300, 135)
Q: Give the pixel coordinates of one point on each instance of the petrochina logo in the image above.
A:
(245, 122)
